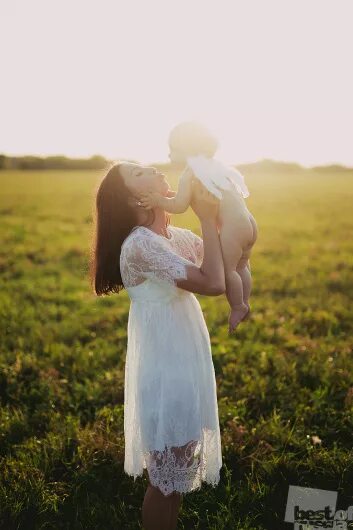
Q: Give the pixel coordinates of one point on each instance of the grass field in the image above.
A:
(284, 378)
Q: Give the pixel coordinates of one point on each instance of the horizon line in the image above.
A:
(167, 162)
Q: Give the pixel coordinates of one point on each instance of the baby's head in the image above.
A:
(191, 138)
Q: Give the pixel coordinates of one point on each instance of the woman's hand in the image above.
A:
(204, 203)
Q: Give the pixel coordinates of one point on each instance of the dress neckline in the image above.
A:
(160, 235)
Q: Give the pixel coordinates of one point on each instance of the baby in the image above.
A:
(195, 145)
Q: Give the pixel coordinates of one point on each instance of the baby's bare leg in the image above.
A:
(234, 287)
(232, 256)
(235, 296)
(245, 275)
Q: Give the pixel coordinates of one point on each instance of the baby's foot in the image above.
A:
(247, 315)
(236, 315)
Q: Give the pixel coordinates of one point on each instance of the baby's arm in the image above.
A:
(177, 204)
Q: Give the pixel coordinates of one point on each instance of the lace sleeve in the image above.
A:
(147, 256)
(197, 244)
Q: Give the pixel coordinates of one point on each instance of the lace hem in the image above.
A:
(184, 468)
(213, 482)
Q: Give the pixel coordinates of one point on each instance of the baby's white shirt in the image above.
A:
(217, 176)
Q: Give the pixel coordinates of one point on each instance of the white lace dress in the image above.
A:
(171, 423)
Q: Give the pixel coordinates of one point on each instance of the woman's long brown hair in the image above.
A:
(113, 220)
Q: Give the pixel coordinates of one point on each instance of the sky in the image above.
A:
(270, 78)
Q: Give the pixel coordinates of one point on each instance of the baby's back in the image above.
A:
(232, 205)
(235, 220)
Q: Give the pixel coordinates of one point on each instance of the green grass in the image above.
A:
(283, 377)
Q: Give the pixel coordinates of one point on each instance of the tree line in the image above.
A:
(52, 162)
(62, 162)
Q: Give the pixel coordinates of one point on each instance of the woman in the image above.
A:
(171, 421)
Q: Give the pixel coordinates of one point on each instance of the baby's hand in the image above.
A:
(150, 199)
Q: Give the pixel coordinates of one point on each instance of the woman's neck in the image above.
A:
(160, 220)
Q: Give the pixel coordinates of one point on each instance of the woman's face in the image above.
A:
(139, 179)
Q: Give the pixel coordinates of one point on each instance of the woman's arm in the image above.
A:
(209, 278)
(144, 256)
(150, 257)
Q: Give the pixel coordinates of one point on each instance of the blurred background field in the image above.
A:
(284, 379)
